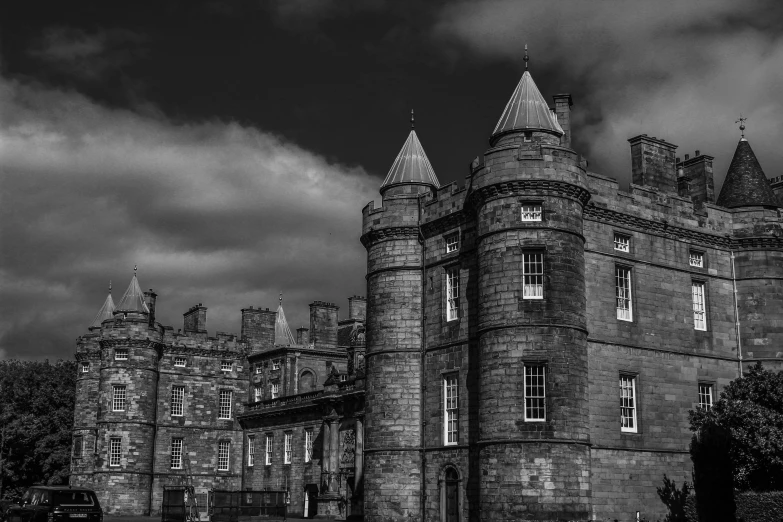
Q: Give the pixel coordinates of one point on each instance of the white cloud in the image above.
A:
(212, 212)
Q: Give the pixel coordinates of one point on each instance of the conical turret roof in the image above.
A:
(283, 335)
(411, 165)
(106, 312)
(133, 299)
(745, 184)
(527, 110)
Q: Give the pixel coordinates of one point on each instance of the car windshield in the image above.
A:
(74, 498)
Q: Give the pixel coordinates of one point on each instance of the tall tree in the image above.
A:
(751, 408)
(36, 416)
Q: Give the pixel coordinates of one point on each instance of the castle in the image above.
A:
(529, 347)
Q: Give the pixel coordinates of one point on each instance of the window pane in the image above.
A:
(627, 403)
(268, 450)
(115, 449)
(223, 454)
(118, 398)
(533, 275)
(705, 396)
(308, 445)
(452, 293)
(531, 212)
(623, 293)
(177, 400)
(452, 242)
(535, 393)
(696, 259)
(225, 404)
(622, 243)
(251, 450)
(176, 453)
(287, 448)
(450, 409)
(699, 316)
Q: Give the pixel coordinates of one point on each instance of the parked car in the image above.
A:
(56, 504)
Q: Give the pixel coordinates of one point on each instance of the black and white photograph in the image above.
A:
(391, 260)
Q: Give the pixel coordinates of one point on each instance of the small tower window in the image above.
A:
(276, 364)
(275, 390)
(258, 393)
(120, 354)
(452, 293)
(705, 396)
(118, 398)
(450, 410)
(527, 136)
(623, 293)
(115, 451)
(85, 367)
(535, 392)
(531, 212)
(224, 404)
(452, 242)
(628, 403)
(180, 362)
(176, 453)
(699, 311)
(251, 450)
(622, 243)
(226, 366)
(308, 445)
(533, 275)
(696, 259)
(224, 448)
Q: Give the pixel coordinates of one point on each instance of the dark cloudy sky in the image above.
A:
(228, 147)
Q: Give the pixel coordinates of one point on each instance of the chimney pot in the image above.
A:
(687, 157)
(697, 153)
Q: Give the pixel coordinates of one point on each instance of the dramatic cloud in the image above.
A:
(212, 212)
(682, 71)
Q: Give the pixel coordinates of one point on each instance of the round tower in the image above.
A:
(85, 416)
(392, 458)
(130, 349)
(534, 457)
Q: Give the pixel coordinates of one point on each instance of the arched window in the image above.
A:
(449, 495)
(306, 382)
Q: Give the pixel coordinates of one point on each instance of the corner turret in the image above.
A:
(411, 167)
(106, 311)
(745, 184)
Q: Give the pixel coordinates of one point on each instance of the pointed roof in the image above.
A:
(411, 165)
(106, 312)
(283, 335)
(745, 184)
(527, 110)
(133, 299)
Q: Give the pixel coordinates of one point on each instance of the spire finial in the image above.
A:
(134, 270)
(110, 286)
(412, 120)
(281, 298)
(742, 121)
(526, 58)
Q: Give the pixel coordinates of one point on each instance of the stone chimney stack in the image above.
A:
(258, 327)
(151, 297)
(357, 307)
(698, 173)
(653, 163)
(563, 104)
(303, 336)
(196, 319)
(323, 324)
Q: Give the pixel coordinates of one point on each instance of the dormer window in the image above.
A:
(452, 242)
(527, 136)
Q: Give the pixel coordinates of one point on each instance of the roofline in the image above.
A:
(495, 137)
(384, 188)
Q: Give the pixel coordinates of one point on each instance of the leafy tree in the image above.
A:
(751, 408)
(36, 419)
(675, 499)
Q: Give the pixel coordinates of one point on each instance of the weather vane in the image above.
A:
(281, 298)
(412, 123)
(134, 270)
(109, 285)
(526, 58)
(742, 121)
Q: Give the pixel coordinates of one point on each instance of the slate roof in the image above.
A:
(527, 109)
(133, 298)
(283, 336)
(411, 165)
(745, 184)
(106, 312)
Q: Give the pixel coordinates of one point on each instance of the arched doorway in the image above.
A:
(450, 496)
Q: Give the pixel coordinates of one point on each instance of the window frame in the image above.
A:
(116, 399)
(308, 443)
(628, 295)
(177, 400)
(251, 450)
(173, 452)
(622, 236)
(113, 454)
(699, 290)
(221, 410)
(259, 369)
(452, 242)
(224, 445)
(258, 393)
(180, 359)
(532, 398)
(451, 275)
(711, 388)
(78, 447)
(121, 354)
(274, 390)
(226, 366)
(85, 367)
(288, 450)
(692, 254)
(275, 364)
(450, 406)
(531, 212)
(535, 282)
(634, 406)
(269, 449)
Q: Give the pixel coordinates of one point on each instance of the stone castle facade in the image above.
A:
(529, 347)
